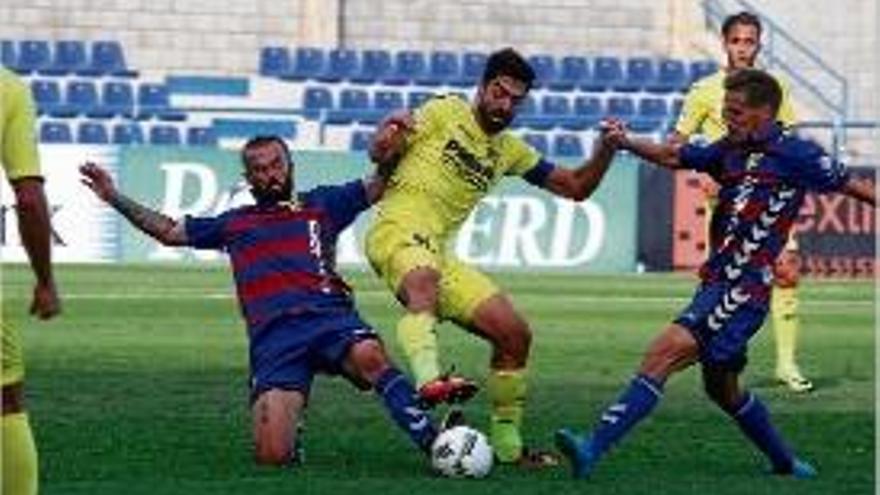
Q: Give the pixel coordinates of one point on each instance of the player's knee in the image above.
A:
(726, 399)
(671, 351)
(513, 339)
(368, 360)
(419, 290)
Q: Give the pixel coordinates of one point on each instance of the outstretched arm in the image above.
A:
(34, 227)
(158, 226)
(578, 184)
(861, 190)
(386, 150)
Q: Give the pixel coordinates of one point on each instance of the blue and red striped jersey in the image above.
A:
(284, 256)
(762, 187)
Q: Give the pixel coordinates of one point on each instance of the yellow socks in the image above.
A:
(19, 456)
(507, 392)
(784, 308)
(415, 334)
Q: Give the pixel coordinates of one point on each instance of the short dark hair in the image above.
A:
(743, 18)
(508, 62)
(258, 141)
(759, 88)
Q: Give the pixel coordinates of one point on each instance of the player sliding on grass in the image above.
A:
(763, 174)
(451, 154)
(300, 314)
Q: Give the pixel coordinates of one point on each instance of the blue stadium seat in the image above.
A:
(639, 73)
(33, 56)
(83, 98)
(675, 108)
(652, 114)
(472, 65)
(342, 64)
(554, 109)
(568, 146)
(353, 104)
(545, 69)
(408, 67)
(607, 72)
(69, 57)
(107, 60)
(165, 134)
(701, 69)
(537, 141)
(417, 98)
(55, 132)
(46, 94)
(375, 66)
(360, 140)
(153, 101)
(588, 109)
(92, 133)
(387, 101)
(201, 136)
(130, 133)
(621, 107)
(118, 98)
(316, 101)
(573, 70)
(274, 61)
(307, 63)
(442, 69)
(7, 54)
(671, 77)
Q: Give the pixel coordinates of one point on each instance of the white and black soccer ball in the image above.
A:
(461, 452)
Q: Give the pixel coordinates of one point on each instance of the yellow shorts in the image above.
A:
(395, 250)
(10, 354)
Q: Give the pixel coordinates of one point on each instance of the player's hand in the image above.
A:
(45, 302)
(613, 133)
(98, 180)
(389, 140)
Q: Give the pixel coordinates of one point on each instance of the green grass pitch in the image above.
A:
(140, 388)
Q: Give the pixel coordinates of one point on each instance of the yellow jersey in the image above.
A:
(703, 104)
(449, 165)
(18, 142)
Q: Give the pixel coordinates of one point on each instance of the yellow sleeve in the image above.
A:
(19, 141)
(786, 110)
(428, 117)
(520, 156)
(692, 113)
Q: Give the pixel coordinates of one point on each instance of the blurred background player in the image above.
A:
(18, 152)
(300, 313)
(451, 153)
(701, 114)
(763, 173)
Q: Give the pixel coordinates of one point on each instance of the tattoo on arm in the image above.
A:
(153, 223)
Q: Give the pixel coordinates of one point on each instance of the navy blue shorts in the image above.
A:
(722, 319)
(287, 353)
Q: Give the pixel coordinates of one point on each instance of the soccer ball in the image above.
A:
(461, 452)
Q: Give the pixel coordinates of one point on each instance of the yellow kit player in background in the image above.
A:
(701, 114)
(451, 153)
(18, 153)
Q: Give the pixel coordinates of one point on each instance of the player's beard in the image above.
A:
(495, 122)
(273, 193)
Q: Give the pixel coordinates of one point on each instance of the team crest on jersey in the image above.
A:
(468, 165)
(753, 160)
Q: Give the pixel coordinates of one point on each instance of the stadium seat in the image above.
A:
(307, 63)
(353, 103)
(671, 77)
(545, 69)
(107, 60)
(639, 73)
(82, 97)
(118, 98)
(537, 141)
(153, 101)
(408, 67)
(55, 132)
(416, 98)
(7, 54)
(588, 109)
(274, 61)
(387, 101)
(652, 114)
(442, 69)
(250, 127)
(33, 56)
(316, 101)
(675, 108)
(92, 133)
(472, 65)
(47, 95)
(701, 69)
(69, 57)
(165, 134)
(573, 70)
(567, 146)
(360, 141)
(375, 66)
(201, 136)
(607, 72)
(130, 133)
(621, 107)
(342, 64)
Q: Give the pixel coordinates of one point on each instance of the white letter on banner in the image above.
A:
(176, 174)
(467, 234)
(523, 217)
(566, 218)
